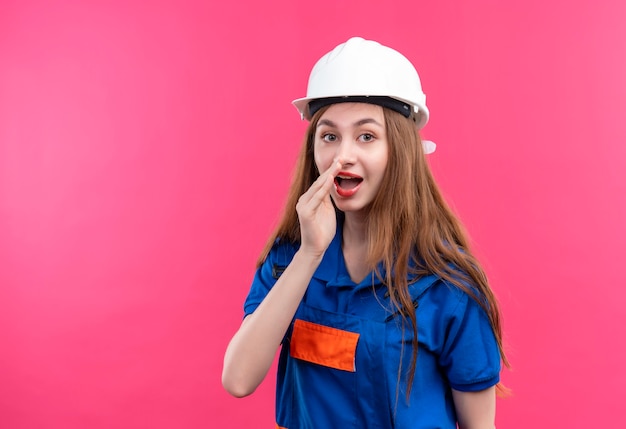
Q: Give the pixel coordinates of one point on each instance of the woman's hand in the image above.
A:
(252, 350)
(316, 213)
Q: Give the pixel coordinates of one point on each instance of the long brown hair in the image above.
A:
(409, 225)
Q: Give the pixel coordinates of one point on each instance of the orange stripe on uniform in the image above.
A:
(324, 345)
(279, 427)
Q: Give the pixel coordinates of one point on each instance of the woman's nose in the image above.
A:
(346, 151)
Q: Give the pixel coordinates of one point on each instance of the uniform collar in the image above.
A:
(333, 271)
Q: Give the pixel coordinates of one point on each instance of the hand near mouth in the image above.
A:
(316, 213)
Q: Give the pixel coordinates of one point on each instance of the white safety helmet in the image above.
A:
(366, 71)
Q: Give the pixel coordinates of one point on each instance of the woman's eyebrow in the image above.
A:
(358, 123)
(367, 121)
(326, 122)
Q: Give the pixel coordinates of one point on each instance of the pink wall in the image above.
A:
(145, 150)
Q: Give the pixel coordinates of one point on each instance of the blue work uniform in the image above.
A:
(340, 358)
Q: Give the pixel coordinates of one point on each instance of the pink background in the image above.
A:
(146, 149)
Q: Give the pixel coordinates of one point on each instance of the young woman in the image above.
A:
(386, 320)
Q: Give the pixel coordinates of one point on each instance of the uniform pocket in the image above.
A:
(323, 345)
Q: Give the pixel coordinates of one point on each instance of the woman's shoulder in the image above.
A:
(460, 291)
(282, 252)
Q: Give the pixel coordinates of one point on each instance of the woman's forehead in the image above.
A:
(348, 114)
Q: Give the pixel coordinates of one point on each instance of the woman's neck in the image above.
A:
(354, 244)
(354, 230)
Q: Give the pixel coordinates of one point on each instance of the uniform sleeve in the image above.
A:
(266, 275)
(470, 356)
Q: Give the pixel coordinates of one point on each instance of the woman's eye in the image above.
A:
(329, 137)
(367, 137)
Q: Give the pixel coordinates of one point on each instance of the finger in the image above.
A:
(332, 171)
(311, 199)
(324, 182)
(334, 167)
(320, 194)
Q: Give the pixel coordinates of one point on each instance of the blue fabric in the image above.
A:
(457, 349)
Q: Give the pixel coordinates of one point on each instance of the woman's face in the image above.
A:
(355, 134)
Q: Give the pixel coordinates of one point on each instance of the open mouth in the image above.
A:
(347, 184)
